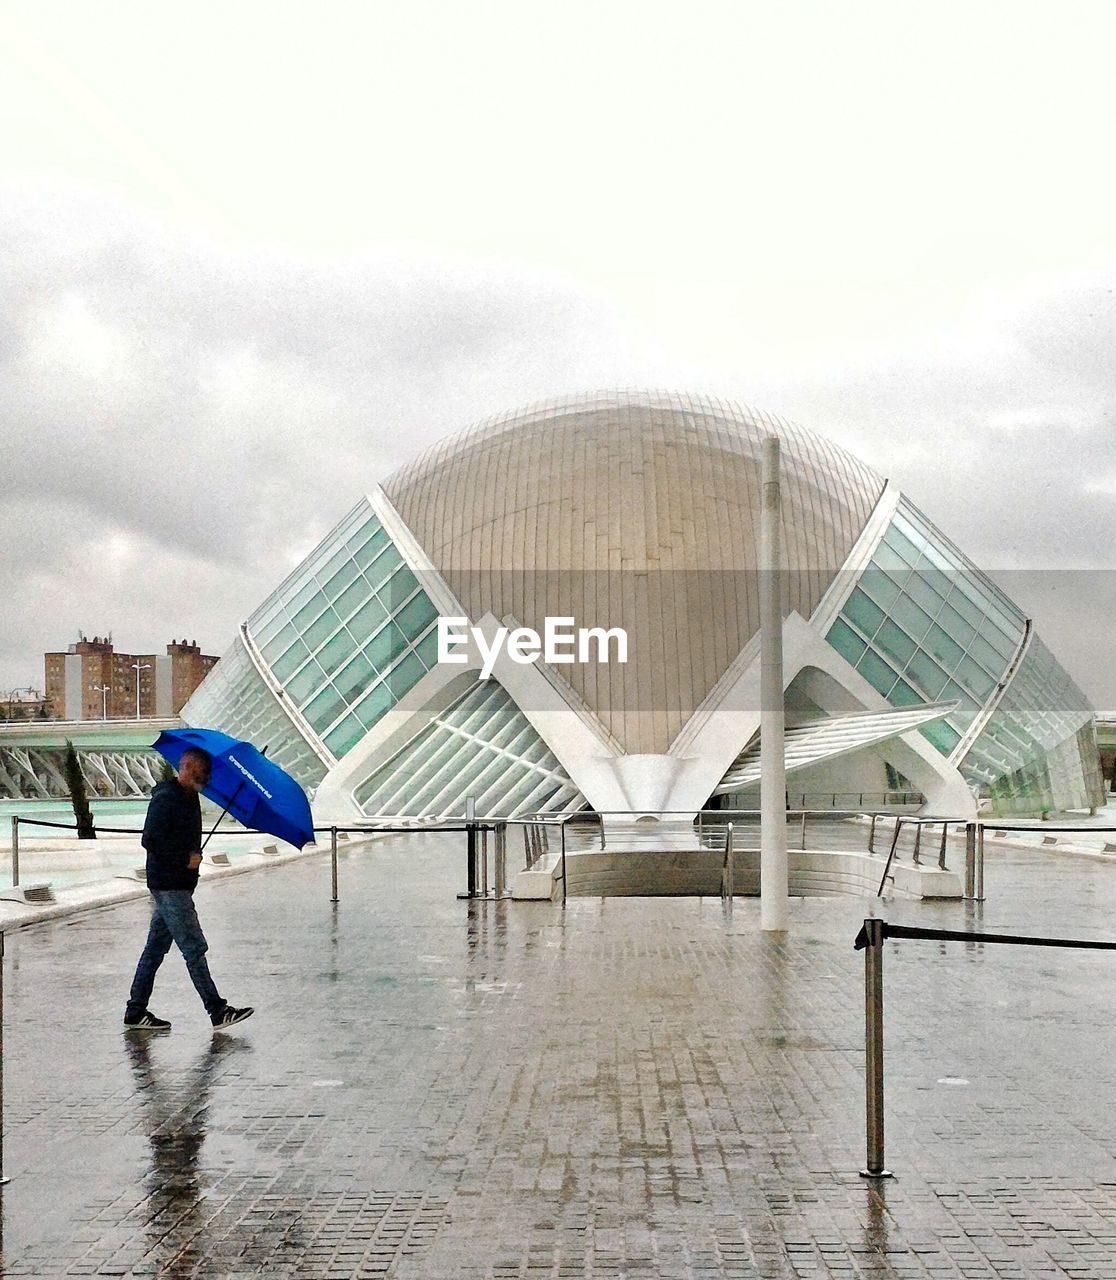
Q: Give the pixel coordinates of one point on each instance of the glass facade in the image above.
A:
(349, 632)
(1038, 749)
(235, 699)
(481, 745)
(923, 624)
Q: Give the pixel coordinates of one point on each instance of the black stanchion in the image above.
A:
(870, 940)
(3, 1180)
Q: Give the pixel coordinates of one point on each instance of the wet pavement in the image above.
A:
(631, 1088)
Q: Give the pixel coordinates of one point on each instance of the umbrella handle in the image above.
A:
(226, 808)
(220, 816)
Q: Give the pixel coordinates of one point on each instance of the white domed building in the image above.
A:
(906, 668)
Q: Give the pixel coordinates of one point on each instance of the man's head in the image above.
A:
(194, 768)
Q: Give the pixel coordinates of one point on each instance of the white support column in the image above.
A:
(774, 883)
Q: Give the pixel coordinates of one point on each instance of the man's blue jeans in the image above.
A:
(173, 919)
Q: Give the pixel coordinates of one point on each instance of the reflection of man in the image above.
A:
(175, 1122)
(172, 838)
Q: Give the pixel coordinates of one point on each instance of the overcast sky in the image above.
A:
(253, 256)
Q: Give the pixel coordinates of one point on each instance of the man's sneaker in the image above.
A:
(229, 1016)
(146, 1021)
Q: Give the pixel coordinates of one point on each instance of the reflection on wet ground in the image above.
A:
(629, 1088)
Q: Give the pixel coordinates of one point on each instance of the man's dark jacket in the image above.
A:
(171, 833)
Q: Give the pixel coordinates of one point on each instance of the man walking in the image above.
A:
(172, 838)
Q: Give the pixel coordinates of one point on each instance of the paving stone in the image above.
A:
(628, 1087)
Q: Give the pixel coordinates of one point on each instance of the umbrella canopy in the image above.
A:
(246, 783)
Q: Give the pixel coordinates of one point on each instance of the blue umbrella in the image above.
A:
(246, 784)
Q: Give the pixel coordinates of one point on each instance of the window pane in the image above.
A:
(371, 549)
(904, 696)
(975, 679)
(841, 636)
(382, 568)
(987, 656)
(880, 587)
(353, 679)
(427, 648)
(321, 627)
(863, 613)
(965, 607)
(878, 674)
(416, 616)
(373, 705)
(955, 626)
(947, 651)
(888, 559)
(336, 651)
(309, 611)
(895, 643)
(385, 646)
(305, 683)
(324, 709)
(921, 589)
(925, 674)
(914, 621)
(347, 734)
(367, 620)
(347, 573)
(300, 594)
(404, 675)
(1004, 642)
(287, 663)
(331, 566)
(899, 543)
(401, 586)
(281, 639)
(942, 735)
(969, 707)
(351, 599)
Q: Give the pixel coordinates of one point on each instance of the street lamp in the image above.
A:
(103, 690)
(137, 667)
(20, 688)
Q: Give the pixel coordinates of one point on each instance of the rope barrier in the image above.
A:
(873, 933)
(964, 935)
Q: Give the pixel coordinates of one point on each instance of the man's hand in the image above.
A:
(195, 861)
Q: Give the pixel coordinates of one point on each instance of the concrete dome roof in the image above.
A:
(639, 510)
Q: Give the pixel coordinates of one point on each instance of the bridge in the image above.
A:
(115, 756)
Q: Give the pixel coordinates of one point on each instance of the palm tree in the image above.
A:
(79, 797)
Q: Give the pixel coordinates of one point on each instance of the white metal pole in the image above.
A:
(774, 880)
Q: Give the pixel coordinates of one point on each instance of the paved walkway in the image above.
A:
(634, 1088)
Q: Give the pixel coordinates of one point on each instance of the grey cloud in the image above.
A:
(222, 410)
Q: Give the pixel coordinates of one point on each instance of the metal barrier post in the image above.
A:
(942, 850)
(728, 868)
(563, 864)
(872, 834)
(3, 1180)
(802, 842)
(918, 842)
(471, 846)
(873, 1050)
(501, 853)
(333, 860)
(484, 862)
(979, 883)
(970, 860)
(890, 857)
(15, 852)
